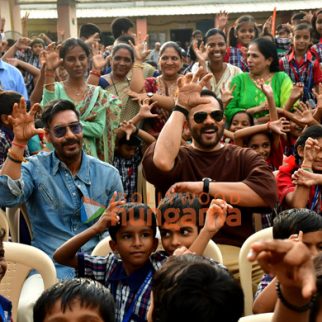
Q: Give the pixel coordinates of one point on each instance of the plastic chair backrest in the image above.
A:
(265, 317)
(4, 224)
(21, 259)
(245, 267)
(211, 251)
(13, 215)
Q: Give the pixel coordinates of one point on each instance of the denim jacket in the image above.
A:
(53, 198)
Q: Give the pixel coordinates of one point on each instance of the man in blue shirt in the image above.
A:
(11, 78)
(63, 190)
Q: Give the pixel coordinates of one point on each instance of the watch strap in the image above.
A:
(182, 110)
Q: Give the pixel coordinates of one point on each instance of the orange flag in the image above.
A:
(273, 21)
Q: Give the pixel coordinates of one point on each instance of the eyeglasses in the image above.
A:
(216, 115)
(60, 131)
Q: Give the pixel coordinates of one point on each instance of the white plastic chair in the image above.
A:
(211, 251)
(265, 317)
(4, 224)
(245, 267)
(21, 259)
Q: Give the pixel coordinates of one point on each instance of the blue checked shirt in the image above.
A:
(53, 198)
(110, 272)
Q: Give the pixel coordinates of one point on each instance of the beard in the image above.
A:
(197, 135)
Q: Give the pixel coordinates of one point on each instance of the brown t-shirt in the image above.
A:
(229, 164)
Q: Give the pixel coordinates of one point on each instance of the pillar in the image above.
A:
(67, 20)
(141, 27)
(10, 10)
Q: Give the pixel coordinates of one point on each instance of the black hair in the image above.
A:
(212, 32)
(7, 100)
(197, 32)
(120, 26)
(71, 43)
(291, 221)
(315, 33)
(133, 141)
(303, 26)
(299, 16)
(232, 36)
(37, 41)
(133, 211)
(314, 132)
(208, 92)
(89, 293)
(250, 117)
(88, 29)
(189, 288)
(171, 44)
(177, 205)
(125, 39)
(123, 46)
(55, 107)
(284, 27)
(268, 49)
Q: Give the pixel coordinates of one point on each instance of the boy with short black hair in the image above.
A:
(122, 26)
(132, 228)
(80, 299)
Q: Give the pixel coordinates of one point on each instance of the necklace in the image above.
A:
(77, 91)
(264, 78)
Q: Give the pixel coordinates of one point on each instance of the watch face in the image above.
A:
(149, 94)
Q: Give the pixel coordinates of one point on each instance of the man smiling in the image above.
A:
(234, 174)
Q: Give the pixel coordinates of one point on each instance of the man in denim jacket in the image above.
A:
(63, 190)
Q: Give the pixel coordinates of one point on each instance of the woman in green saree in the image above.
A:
(99, 111)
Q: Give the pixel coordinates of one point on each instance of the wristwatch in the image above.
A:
(149, 94)
(206, 182)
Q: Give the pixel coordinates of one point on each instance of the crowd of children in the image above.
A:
(269, 84)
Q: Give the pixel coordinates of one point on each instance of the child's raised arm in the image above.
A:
(215, 219)
(66, 253)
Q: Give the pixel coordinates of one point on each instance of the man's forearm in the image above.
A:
(168, 144)
(237, 193)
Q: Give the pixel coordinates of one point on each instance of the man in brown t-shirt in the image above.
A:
(239, 176)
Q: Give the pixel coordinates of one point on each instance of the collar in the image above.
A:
(135, 280)
(307, 57)
(83, 172)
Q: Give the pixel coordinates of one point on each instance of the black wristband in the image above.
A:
(290, 306)
(12, 159)
(182, 110)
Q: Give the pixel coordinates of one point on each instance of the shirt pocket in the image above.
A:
(47, 196)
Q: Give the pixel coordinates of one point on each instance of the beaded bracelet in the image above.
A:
(292, 307)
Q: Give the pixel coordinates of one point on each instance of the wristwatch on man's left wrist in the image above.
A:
(206, 183)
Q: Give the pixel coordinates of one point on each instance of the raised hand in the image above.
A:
(265, 88)
(305, 178)
(93, 39)
(216, 215)
(227, 93)
(189, 88)
(311, 150)
(297, 91)
(128, 128)
(221, 19)
(22, 122)
(141, 49)
(281, 126)
(145, 109)
(23, 43)
(200, 52)
(51, 57)
(290, 262)
(110, 217)
(136, 96)
(99, 62)
(305, 114)
(268, 24)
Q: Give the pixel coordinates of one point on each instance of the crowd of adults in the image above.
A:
(236, 116)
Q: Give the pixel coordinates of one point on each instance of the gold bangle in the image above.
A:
(137, 65)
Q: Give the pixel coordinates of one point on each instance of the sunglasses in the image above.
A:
(60, 131)
(216, 115)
